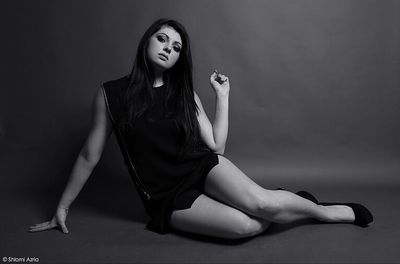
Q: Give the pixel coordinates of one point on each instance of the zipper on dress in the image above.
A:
(138, 182)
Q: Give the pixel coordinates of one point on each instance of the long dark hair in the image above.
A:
(140, 92)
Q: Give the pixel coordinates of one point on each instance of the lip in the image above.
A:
(163, 56)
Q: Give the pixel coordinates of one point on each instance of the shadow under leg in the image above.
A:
(212, 218)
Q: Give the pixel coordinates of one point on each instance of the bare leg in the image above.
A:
(226, 183)
(210, 217)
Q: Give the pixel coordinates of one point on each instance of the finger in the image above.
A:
(64, 228)
(41, 228)
(41, 224)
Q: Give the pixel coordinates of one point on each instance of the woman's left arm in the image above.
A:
(215, 134)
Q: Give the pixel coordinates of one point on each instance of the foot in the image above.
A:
(360, 216)
(337, 214)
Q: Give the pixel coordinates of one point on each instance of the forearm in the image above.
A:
(81, 171)
(220, 124)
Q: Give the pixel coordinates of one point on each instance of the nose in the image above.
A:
(167, 49)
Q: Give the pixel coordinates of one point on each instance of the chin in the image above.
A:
(162, 66)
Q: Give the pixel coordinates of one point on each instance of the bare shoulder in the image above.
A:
(99, 99)
(99, 105)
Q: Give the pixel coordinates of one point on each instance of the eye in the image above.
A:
(161, 38)
(177, 49)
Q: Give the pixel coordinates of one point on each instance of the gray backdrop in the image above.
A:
(314, 84)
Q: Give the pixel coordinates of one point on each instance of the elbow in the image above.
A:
(219, 150)
(90, 160)
(88, 164)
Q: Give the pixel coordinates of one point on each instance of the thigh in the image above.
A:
(209, 217)
(227, 183)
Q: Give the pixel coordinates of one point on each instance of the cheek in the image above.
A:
(150, 50)
(153, 48)
(175, 58)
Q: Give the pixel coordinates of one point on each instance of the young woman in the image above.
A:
(174, 153)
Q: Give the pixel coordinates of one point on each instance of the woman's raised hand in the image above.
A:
(220, 83)
(57, 220)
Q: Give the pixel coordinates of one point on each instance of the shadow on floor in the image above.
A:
(115, 200)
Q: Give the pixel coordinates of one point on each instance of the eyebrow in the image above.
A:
(177, 42)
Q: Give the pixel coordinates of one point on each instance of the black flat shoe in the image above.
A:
(308, 196)
(362, 214)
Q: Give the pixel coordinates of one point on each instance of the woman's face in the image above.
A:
(164, 48)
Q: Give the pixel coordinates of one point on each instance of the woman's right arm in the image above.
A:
(90, 152)
(87, 159)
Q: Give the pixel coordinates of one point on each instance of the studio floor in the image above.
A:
(109, 227)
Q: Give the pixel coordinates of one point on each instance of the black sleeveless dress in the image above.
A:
(165, 181)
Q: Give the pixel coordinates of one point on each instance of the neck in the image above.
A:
(158, 82)
(158, 79)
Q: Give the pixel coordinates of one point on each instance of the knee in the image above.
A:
(248, 227)
(264, 203)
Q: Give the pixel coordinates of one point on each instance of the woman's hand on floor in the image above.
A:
(57, 220)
